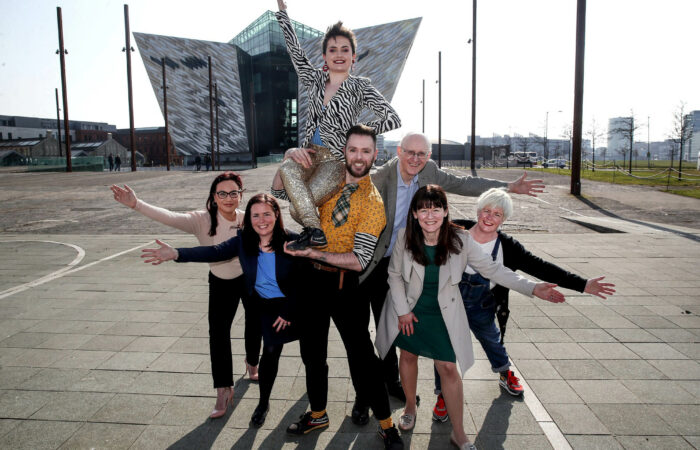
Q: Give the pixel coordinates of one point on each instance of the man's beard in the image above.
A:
(351, 169)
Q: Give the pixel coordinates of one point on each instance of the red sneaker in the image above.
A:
(511, 383)
(440, 410)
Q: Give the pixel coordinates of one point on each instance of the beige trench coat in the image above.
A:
(406, 285)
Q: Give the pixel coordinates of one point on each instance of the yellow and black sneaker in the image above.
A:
(308, 424)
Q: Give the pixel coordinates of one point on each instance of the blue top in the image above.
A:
(404, 195)
(266, 282)
(316, 138)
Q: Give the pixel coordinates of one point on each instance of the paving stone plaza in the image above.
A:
(98, 350)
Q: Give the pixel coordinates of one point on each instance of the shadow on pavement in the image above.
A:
(608, 213)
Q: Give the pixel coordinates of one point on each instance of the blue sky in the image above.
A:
(640, 56)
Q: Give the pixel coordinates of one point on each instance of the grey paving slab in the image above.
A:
(685, 419)
(104, 435)
(576, 419)
(18, 404)
(36, 434)
(603, 391)
(631, 419)
(554, 391)
(131, 408)
(653, 442)
(587, 442)
(72, 406)
(581, 369)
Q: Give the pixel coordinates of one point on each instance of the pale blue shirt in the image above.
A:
(266, 281)
(404, 195)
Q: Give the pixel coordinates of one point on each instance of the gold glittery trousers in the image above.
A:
(310, 187)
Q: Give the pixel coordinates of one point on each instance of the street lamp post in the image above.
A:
(165, 115)
(62, 53)
(128, 49)
(58, 125)
(473, 39)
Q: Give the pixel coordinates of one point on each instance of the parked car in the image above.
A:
(560, 163)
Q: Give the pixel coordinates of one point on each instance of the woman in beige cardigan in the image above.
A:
(424, 314)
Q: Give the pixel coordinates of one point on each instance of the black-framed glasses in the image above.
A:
(233, 194)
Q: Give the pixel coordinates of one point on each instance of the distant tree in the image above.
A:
(627, 128)
(682, 128)
(523, 143)
(594, 132)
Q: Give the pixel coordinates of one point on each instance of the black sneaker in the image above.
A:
(309, 237)
(360, 414)
(391, 438)
(308, 424)
(395, 389)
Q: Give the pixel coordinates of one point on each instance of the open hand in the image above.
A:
(528, 187)
(156, 256)
(306, 253)
(595, 287)
(281, 5)
(406, 323)
(125, 196)
(301, 156)
(546, 291)
(280, 324)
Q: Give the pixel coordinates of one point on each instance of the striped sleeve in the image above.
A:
(296, 53)
(279, 193)
(363, 248)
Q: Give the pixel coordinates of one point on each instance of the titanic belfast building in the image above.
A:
(261, 105)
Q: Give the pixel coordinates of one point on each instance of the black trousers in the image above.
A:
(374, 289)
(224, 297)
(325, 301)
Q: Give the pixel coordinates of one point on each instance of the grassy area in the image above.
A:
(690, 185)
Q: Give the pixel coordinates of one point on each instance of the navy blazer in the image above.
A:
(288, 269)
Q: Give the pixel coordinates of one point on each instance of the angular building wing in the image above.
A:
(261, 105)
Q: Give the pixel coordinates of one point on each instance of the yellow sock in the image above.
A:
(386, 423)
(318, 414)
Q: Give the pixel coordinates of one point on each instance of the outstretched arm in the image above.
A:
(348, 261)
(155, 256)
(301, 62)
(526, 187)
(186, 222)
(594, 286)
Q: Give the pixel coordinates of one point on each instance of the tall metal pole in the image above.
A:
(578, 97)
(62, 52)
(218, 149)
(473, 146)
(648, 145)
(439, 109)
(423, 103)
(127, 49)
(165, 115)
(58, 125)
(545, 149)
(211, 112)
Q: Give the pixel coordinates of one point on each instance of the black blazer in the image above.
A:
(516, 257)
(289, 270)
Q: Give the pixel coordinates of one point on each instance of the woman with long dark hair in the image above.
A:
(220, 221)
(313, 173)
(422, 315)
(271, 281)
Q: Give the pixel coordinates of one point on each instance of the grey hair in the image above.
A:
(496, 198)
(410, 134)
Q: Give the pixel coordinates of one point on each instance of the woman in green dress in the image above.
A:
(424, 315)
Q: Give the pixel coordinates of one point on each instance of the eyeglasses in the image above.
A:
(233, 194)
(420, 155)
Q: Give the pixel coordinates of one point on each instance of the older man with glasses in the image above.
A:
(397, 181)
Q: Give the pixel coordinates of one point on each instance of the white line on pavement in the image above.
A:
(544, 420)
(64, 271)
